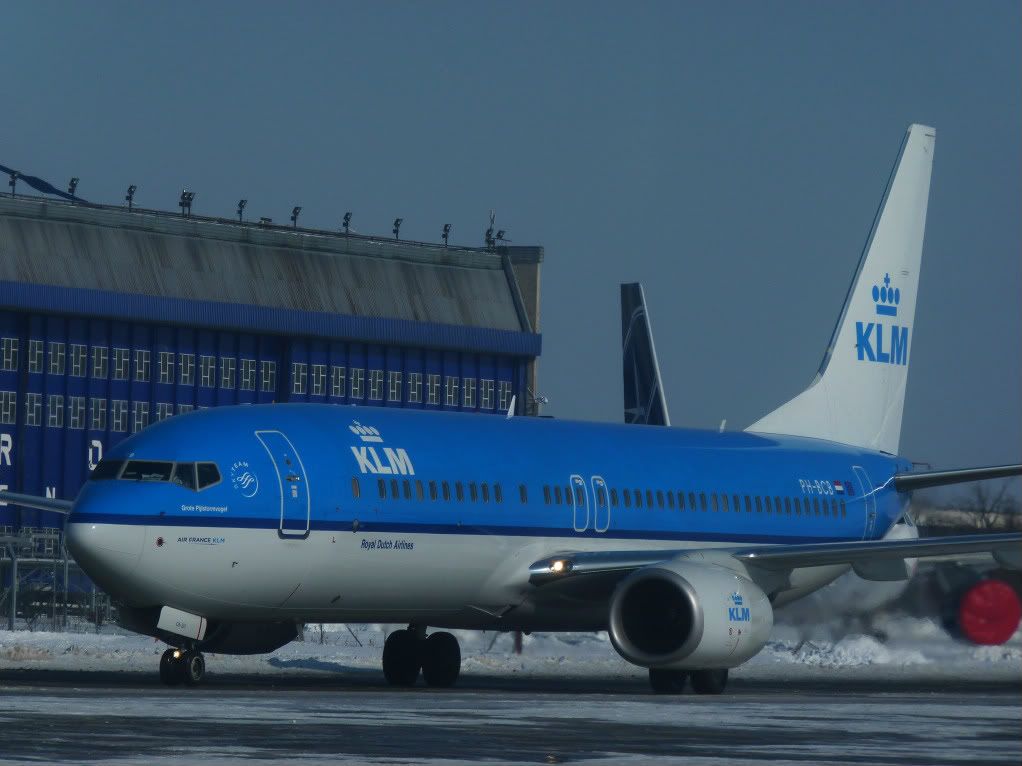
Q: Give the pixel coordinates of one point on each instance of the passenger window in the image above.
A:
(473, 492)
(580, 497)
(702, 501)
(407, 489)
(649, 498)
(459, 491)
(567, 495)
(713, 502)
(107, 469)
(356, 489)
(670, 499)
(523, 494)
(787, 505)
(766, 502)
(613, 497)
(736, 504)
(419, 494)
(777, 504)
(382, 486)
(660, 498)
(692, 501)
(148, 470)
(484, 488)
(432, 490)
(546, 494)
(748, 504)
(759, 504)
(638, 498)
(816, 506)
(843, 513)
(498, 493)
(798, 507)
(184, 475)
(833, 506)
(723, 503)
(557, 495)
(627, 497)
(601, 495)
(447, 491)
(681, 500)
(207, 474)
(394, 490)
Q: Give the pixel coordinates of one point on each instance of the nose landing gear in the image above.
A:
(178, 666)
(406, 652)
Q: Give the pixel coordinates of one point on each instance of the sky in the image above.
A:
(729, 156)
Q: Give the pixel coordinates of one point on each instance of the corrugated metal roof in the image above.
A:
(57, 244)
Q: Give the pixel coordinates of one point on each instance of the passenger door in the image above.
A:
(601, 505)
(579, 502)
(295, 499)
(869, 501)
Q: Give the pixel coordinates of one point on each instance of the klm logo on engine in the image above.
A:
(739, 612)
(382, 460)
(877, 342)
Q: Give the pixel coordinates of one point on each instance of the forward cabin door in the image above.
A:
(601, 504)
(295, 500)
(579, 492)
(869, 501)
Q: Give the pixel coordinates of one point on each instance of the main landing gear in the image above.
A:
(673, 681)
(406, 652)
(178, 666)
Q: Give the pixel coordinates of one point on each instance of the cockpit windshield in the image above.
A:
(106, 470)
(193, 476)
(147, 470)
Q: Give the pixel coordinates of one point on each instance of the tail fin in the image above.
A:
(858, 394)
(644, 392)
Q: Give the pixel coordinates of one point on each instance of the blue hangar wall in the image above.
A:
(111, 321)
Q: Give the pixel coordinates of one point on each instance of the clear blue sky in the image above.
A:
(730, 156)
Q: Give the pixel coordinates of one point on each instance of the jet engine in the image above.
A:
(684, 615)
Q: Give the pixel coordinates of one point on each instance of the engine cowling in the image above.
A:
(685, 615)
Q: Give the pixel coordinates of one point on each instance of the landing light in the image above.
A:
(560, 566)
(177, 654)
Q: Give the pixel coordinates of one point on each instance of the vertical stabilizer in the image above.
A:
(644, 391)
(858, 395)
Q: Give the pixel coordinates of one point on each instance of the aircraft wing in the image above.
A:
(34, 501)
(1006, 548)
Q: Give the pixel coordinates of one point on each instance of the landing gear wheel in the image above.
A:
(441, 659)
(193, 668)
(401, 658)
(709, 681)
(667, 681)
(171, 670)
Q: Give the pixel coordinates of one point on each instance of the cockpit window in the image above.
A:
(184, 475)
(107, 469)
(146, 470)
(208, 474)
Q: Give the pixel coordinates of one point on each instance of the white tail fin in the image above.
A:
(858, 395)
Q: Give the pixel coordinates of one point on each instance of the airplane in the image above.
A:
(225, 529)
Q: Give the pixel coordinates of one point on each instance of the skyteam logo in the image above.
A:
(393, 461)
(243, 479)
(877, 342)
(739, 612)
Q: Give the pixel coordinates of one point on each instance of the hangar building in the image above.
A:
(113, 319)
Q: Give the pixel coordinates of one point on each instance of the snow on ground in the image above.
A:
(913, 648)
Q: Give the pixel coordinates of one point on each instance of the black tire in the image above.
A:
(401, 658)
(441, 660)
(709, 681)
(193, 668)
(667, 681)
(171, 672)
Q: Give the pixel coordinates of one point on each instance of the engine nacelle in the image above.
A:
(685, 615)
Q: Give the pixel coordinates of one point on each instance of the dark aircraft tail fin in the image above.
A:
(644, 400)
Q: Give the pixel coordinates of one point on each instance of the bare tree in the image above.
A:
(991, 507)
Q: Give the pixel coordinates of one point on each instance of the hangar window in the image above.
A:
(186, 369)
(299, 375)
(451, 391)
(228, 367)
(119, 415)
(432, 389)
(183, 408)
(184, 475)
(142, 365)
(121, 362)
(207, 370)
(76, 412)
(393, 386)
(33, 408)
(268, 375)
(165, 360)
(337, 374)
(79, 355)
(546, 494)
(164, 410)
(356, 489)
(97, 414)
(8, 407)
(486, 394)
(381, 486)
(318, 380)
(432, 491)
(35, 356)
(414, 387)
(358, 376)
(139, 416)
(248, 374)
(505, 395)
(100, 360)
(56, 358)
(147, 470)
(208, 475)
(55, 411)
(468, 393)
(376, 385)
(10, 354)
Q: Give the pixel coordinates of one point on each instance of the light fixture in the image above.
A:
(297, 211)
(185, 203)
(130, 197)
(241, 208)
(14, 180)
(447, 233)
(346, 223)
(397, 227)
(72, 185)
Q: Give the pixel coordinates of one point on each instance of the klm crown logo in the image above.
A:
(365, 433)
(876, 342)
(738, 612)
(736, 598)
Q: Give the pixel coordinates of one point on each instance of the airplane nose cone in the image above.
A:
(109, 553)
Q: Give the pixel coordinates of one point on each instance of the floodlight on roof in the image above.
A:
(130, 196)
(447, 233)
(14, 180)
(241, 208)
(297, 211)
(346, 223)
(72, 185)
(397, 227)
(185, 203)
